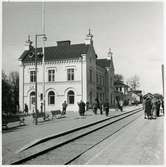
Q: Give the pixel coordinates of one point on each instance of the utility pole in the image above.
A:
(43, 60)
(36, 121)
(162, 70)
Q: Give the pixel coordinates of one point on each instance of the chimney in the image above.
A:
(63, 43)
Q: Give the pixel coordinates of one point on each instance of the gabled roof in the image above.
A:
(58, 52)
(103, 62)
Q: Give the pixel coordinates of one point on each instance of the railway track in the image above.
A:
(65, 148)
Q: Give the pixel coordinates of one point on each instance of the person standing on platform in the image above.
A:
(26, 109)
(148, 108)
(162, 104)
(64, 106)
(101, 108)
(106, 107)
(158, 107)
(95, 105)
(87, 106)
(154, 107)
(121, 105)
(81, 108)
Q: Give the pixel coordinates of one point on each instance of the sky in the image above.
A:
(133, 30)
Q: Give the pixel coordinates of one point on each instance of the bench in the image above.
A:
(19, 117)
(40, 115)
(57, 114)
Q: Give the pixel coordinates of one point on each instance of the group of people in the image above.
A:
(101, 106)
(83, 107)
(95, 107)
(152, 107)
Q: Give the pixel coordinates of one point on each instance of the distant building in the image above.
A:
(121, 92)
(72, 72)
(135, 96)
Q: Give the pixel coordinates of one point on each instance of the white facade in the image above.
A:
(60, 88)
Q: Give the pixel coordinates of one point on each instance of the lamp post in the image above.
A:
(34, 52)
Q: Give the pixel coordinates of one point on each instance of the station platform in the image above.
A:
(18, 137)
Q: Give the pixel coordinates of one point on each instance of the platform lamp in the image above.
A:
(33, 52)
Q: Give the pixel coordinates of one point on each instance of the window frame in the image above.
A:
(69, 96)
(51, 96)
(70, 74)
(51, 75)
(32, 76)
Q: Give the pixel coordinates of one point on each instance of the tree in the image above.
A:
(14, 82)
(134, 82)
(118, 78)
(6, 94)
(10, 92)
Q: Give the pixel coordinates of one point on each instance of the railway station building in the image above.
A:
(72, 72)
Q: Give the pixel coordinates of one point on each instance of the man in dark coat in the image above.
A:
(87, 106)
(95, 105)
(162, 104)
(158, 108)
(81, 108)
(64, 106)
(106, 107)
(26, 109)
(148, 108)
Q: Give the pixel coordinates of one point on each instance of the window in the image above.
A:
(90, 73)
(70, 97)
(32, 98)
(96, 78)
(32, 76)
(41, 96)
(51, 75)
(51, 98)
(70, 74)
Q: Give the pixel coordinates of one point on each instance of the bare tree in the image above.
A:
(134, 82)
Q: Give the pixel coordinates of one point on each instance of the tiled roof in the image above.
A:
(58, 52)
(103, 62)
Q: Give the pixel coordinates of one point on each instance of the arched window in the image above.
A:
(32, 98)
(70, 97)
(51, 97)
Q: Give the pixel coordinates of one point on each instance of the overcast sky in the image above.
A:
(134, 31)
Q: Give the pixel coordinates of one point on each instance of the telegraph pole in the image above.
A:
(43, 60)
(36, 121)
(162, 70)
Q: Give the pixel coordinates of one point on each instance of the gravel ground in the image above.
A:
(17, 137)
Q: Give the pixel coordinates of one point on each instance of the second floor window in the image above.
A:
(70, 74)
(32, 76)
(51, 75)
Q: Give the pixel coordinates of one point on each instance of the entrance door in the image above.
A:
(32, 101)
